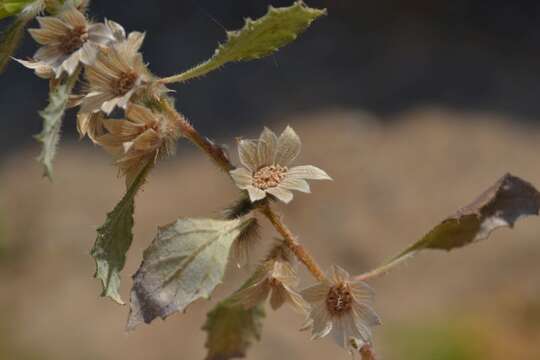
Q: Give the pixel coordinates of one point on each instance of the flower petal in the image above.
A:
(316, 293)
(288, 147)
(266, 147)
(322, 323)
(242, 178)
(253, 295)
(339, 274)
(255, 194)
(281, 193)
(309, 172)
(247, 150)
(295, 184)
(295, 300)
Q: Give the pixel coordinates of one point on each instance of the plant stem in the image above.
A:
(220, 159)
(292, 243)
(215, 152)
(385, 268)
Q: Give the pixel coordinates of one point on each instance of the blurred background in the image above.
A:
(413, 107)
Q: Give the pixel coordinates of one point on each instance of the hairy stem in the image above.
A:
(290, 240)
(220, 159)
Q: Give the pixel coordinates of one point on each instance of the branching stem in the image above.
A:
(220, 159)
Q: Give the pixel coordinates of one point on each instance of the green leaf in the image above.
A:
(501, 205)
(185, 262)
(52, 123)
(232, 328)
(12, 7)
(257, 39)
(113, 240)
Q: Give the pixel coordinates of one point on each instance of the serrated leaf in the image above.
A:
(52, 123)
(185, 262)
(258, 38)
(113, 240)
(231, 328)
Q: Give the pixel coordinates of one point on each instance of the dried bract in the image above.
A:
(277, 279)
(342, 306)
(143, 137)
(266, 167)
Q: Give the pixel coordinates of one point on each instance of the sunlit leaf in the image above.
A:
(113, 240)
(185, 262)
(52, 123)
(258, 38)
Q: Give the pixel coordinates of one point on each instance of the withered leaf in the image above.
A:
(185, 262)
(502, 204)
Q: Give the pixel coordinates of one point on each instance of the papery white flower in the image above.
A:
(266, 164)
(68, 40)
(341, 306)
(276, 279)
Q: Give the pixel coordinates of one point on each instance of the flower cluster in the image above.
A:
(115, 76)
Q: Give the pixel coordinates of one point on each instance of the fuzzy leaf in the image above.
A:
(185, 262)
(52, 123)
(113, 240)
(258, 38)
(231, 329)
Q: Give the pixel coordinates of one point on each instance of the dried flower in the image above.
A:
(68, 40)
(266, 162)
(90, 124)
(341, 306)
(116, 75)
(279, 279)
(140, 139)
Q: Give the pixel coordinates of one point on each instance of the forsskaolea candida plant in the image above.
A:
(98, 67)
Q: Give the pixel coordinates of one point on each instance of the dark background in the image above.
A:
(383, 56)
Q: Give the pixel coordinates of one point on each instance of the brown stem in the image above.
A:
(220, 158)
(215, 152)
(292, 243)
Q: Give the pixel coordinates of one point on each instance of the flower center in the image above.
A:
(269, 176)
(339, 299)
(124, 83)
(73, 40)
